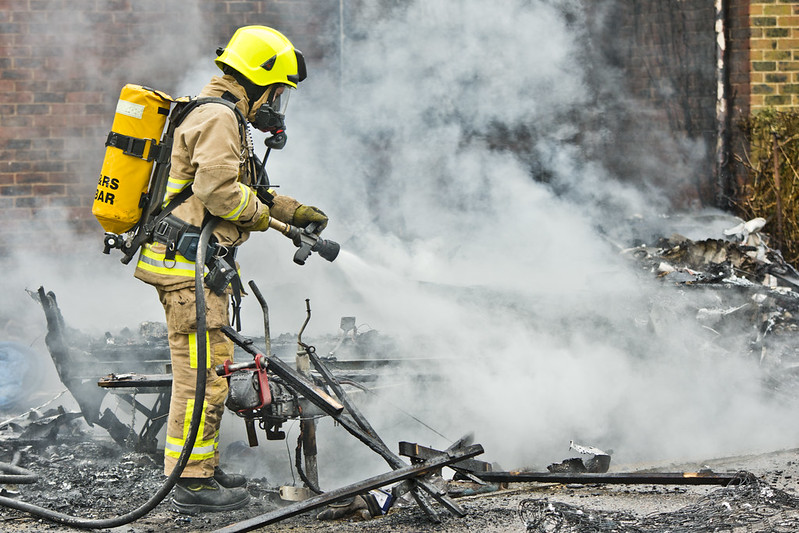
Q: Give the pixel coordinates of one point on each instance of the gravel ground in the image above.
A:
(97, 479)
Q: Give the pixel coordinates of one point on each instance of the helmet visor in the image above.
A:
(279, 99)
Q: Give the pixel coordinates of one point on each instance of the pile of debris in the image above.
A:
(86, 475)
(90, 477)
(748, 283)
(743, 258)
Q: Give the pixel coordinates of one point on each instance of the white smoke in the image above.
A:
(545, 333)
(418, 153)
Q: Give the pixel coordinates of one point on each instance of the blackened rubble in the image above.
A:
(742, 257)
(88, 475)
(93, 477)
(748, 282)
(599, 462)
(742, 505)
(41, 425)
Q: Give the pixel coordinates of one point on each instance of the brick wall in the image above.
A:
(668, 53)
(774, 53)
(62, 63)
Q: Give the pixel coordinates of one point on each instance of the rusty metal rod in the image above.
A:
(378, 445)
(265, 309)
(620, 478)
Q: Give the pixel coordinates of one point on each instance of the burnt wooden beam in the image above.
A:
(620, 478)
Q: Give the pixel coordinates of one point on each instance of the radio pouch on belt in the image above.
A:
(221, 273)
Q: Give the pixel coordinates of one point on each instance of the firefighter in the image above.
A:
(212, 154)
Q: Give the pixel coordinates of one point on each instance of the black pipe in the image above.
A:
(183, 459)
(16, 474)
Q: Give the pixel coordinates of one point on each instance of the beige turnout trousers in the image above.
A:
(181, 321)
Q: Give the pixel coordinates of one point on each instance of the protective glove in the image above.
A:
(355, 506)
(263, 221)
(306, 214)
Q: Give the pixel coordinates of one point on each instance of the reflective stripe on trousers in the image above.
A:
(179, 307)
(205, 454)
(193, 350)
(202, 449)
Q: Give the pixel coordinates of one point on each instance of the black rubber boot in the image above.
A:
(229, 481)
(198, 495)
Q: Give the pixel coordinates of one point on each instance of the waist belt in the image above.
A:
(182, 237)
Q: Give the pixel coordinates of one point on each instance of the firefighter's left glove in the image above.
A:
(263, 221)
(307, 214)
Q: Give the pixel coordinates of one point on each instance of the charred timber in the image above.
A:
(620, 478)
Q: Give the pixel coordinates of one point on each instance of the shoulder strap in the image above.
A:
(175, 120)
(175, 201)
(192, 104)
(155, 213)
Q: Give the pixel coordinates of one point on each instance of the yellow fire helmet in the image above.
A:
(264, 56)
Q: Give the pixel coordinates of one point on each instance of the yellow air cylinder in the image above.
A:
(139, 120)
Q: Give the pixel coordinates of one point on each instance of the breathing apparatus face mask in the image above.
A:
(270, 115)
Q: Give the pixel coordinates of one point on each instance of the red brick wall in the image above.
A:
(62, 63)
(775, 54)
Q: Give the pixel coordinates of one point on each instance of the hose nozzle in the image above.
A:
(307, 240)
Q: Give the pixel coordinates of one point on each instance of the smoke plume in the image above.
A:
(454, 157)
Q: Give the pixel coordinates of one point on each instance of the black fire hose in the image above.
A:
(183, 459)
(16, 474)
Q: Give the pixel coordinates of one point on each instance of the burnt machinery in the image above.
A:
(134, 367)
(265, 391)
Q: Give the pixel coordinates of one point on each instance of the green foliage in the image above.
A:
(771, 188)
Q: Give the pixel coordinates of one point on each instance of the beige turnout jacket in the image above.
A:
(209, 154)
